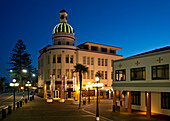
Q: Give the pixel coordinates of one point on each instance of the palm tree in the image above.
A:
(98, 74)
(81, 69)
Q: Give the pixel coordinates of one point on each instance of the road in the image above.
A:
(7, 98)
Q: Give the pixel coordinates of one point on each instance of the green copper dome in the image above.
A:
(63, 27)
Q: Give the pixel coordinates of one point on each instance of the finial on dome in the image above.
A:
(63, 16)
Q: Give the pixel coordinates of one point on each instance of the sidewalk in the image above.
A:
(40, 110)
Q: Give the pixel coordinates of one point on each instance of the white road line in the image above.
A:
(94, 115)
(6, 98)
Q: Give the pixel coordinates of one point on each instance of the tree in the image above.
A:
(98, 74)
(2, 83)
(20, 59)
(80, 69)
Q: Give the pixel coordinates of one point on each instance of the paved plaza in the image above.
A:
(40, 110)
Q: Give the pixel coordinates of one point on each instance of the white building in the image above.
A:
(142, 82)
(60, 58)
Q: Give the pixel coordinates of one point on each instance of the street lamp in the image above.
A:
(14, 84)
(28, 85)
(97, 85)
(88, 87)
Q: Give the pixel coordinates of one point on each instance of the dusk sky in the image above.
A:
(134, 25)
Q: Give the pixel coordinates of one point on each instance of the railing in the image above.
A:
(6, 110)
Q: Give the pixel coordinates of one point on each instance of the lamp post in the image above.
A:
(14, 84)
(97, 85)
(28, 85)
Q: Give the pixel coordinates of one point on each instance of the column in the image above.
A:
(114, 100)
(148, 112)
(129, 102)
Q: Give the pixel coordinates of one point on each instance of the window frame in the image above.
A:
(143, 69)
(118, 74)
(157, 78)
(164, 97)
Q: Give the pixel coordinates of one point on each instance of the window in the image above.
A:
(84, 75)
(98, 61)
(59, 43)
(112, 51)
(84, 59)
(102, 74)
(88, 75)
(67, 73)
(71, 73)
(120, 75)
(135, 98)
(67, 43)
(67, 58)
(102, 62)
(105, 62)
(86, 47)
(94, 48)
(54, 58)
(105, 74)
(71, 59)
(54, 72)
(138, 73)
(112, 75)
(48, 59)
(92, 74)
(160, 72)
(165, 100)
(92, 61)
(49, 73)
(104, 50)
(112, 62)
(58, 73)
(88, 60)
(58, 58)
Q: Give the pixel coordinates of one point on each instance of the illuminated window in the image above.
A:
(98, 61)
(92, 61)
(138, 73)
(67, 58)
(58, 58)
(54, 58)
(88, 60)
(160, 72)
(71, 59)
(67, 73)
(120, 75)
(84, 59)
(165, 100)
(135, 98)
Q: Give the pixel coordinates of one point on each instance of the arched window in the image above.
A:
(59, 43)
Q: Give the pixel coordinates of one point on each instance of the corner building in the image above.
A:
(56, 63)
(142, 82)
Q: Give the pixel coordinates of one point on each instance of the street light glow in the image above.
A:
(14, 80)
(11, 84)
(10, 71)
(97, 79)
(33, 75)
(24, 70)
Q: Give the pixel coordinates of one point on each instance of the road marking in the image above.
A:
(94, 115)
(6, 98)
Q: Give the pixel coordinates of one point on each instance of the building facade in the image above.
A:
(142, 82)
(56, 63)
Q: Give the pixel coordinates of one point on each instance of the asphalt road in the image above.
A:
(7, 98)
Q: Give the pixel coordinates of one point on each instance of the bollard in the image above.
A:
(113, 108)
(9, 109)
(20, 103)
(3, 113)
(25, 100)
(17, 105)
(30, 98)
(84, 102)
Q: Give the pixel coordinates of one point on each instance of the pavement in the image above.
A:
(40, 110)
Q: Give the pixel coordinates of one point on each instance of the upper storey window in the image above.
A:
(54, 58)
(112, 52)
(58, 58)
(138, 73)
(59, 43)
(104, 50)
(120, 75)
(94, 48)
(67, 43)
(160, 72)
(71, 58)
(86, 47)
(67, 58)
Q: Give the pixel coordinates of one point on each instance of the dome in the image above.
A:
(63, 27)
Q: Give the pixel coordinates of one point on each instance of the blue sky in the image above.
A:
(134, 25)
